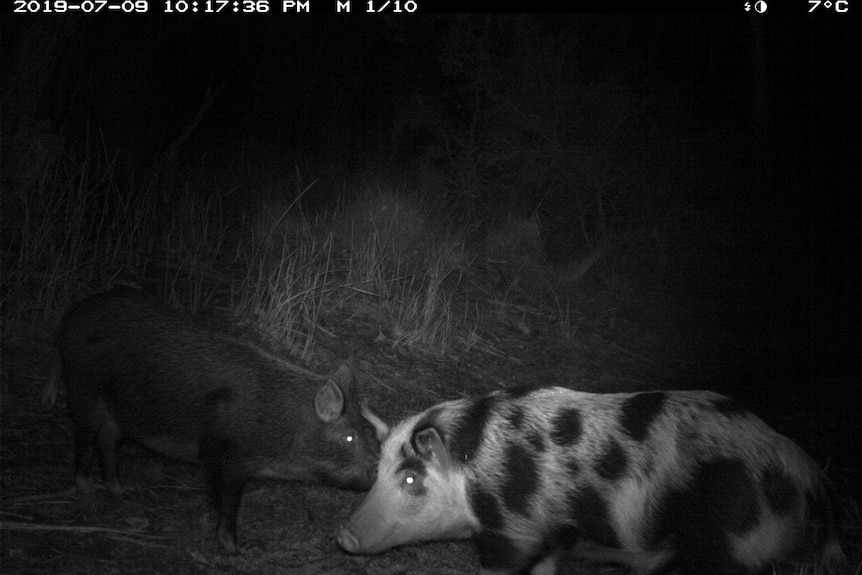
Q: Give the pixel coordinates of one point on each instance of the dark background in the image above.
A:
(743, 130)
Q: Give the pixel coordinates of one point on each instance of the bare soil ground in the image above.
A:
(163, 524)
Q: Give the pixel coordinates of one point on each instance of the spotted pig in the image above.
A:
(667, 481)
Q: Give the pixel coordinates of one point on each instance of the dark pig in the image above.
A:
(674, 481)
(135, 369)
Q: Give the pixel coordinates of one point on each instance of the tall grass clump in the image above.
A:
(187, 255)
(423, 307)
(403, 267)
(287, 284)
(76, 225)
(86, 225)
(384, 254)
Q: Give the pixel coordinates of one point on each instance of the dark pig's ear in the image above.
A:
(429, 446)
(344, 378)
(329, 401)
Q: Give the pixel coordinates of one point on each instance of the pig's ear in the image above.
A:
(329, 401)
(429, 446)
(343, 376)
(380, 425)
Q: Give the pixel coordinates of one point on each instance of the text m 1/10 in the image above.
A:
(391, 6)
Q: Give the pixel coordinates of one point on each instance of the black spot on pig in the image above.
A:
(536, 441)
(516, 418)
(487, 509)
(465, 440)
(567, 427)
(730, 491)
(613, 462)
(590, 512)
(721, 499)
(562, 536)
(639, 411)
(522, 478)
(781, 493)
(573, 467)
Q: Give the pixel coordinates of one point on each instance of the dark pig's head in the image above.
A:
(420, 493)
(341, 442)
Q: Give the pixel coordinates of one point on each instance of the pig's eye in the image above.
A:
(413, 484)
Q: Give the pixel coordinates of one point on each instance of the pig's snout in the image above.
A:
(348, 541)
